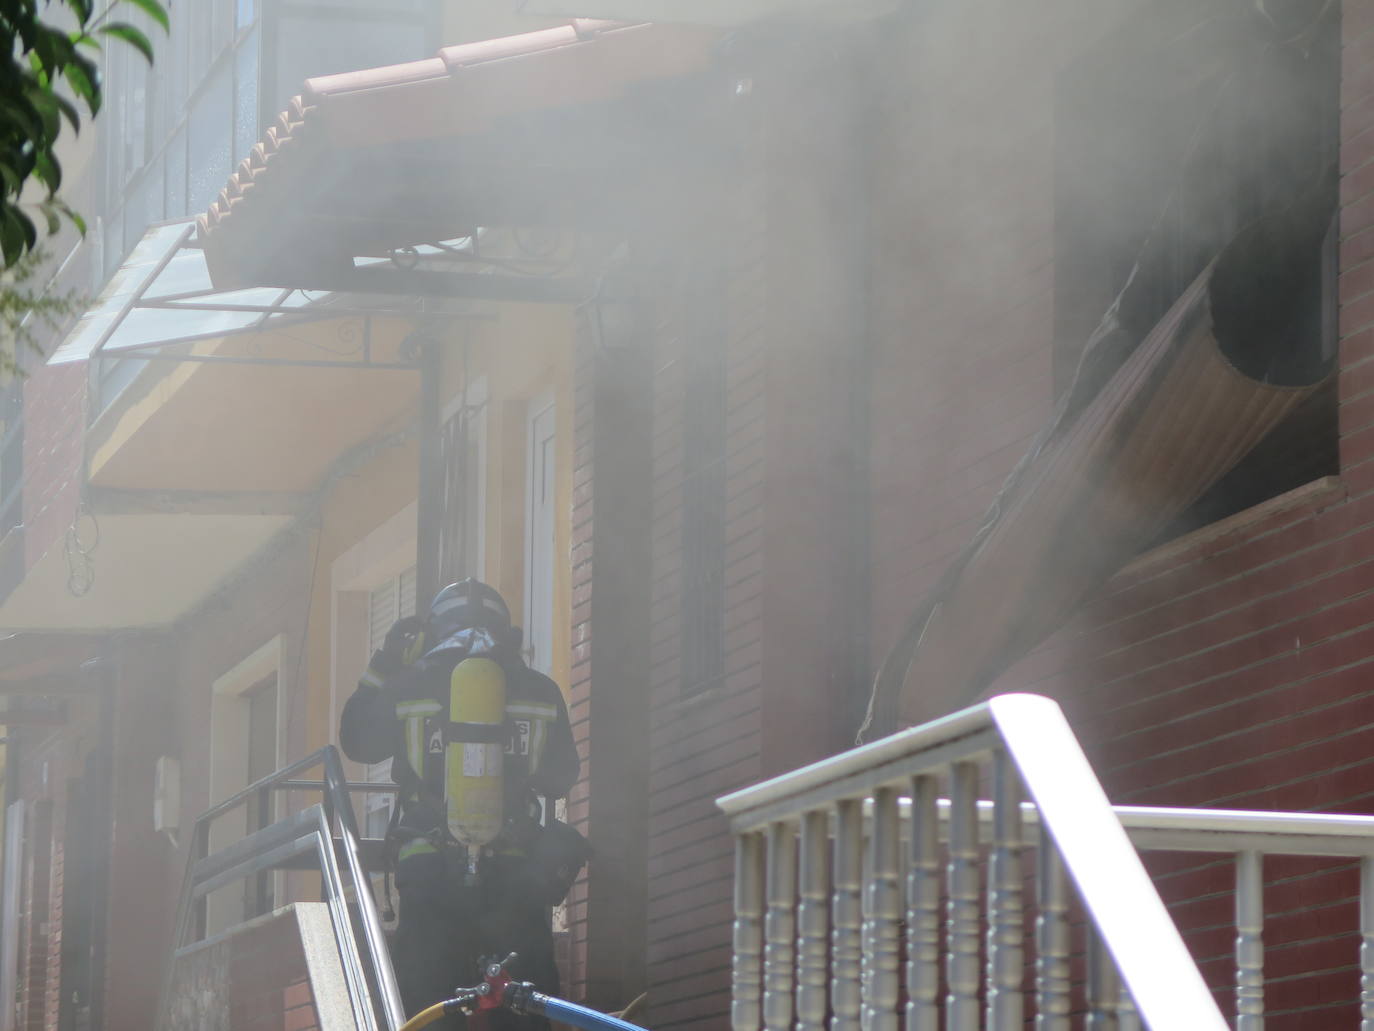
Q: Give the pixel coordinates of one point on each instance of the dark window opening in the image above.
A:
(1192, 121)
(703, 483)
(262, 761)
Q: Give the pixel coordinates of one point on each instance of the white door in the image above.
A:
(541, 467)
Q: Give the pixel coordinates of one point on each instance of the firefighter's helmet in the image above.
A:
(466, 605)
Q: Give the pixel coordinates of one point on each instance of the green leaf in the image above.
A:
(85, 39)
(16, 233)
(131, 35)
(29, 230)
(46, 105)
(36, 66)
(69, 111)
(79, 77)
(49, 171)
(18, 110)
(13, 184)
(53, 218)
(154, 10)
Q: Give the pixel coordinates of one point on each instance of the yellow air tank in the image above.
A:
(475, 754)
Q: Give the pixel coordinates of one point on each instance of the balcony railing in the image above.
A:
(888, 851)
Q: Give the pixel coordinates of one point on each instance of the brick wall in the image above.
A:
(610, 656)
(254, 979)
(46, 761)
(791, 286)
(706, 744)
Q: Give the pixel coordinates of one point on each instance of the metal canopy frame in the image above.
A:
(164, 285)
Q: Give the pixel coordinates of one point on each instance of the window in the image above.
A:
(703, 484)
(211, 138)
(392, 600)
(246, 96)
(324, 38)
(261, 748)
(244, 747)
(462, 537)
(1174, 135)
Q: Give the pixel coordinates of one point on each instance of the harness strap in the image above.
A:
(477, 733)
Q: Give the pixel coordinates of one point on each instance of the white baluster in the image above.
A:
(813, 922)
(748, 933)
(780, 928)
(1052, 944)
(961, 969)
(1110, 1006)
(923, 908)
(882, 917)
(1127, 1016)
(1249, 941)
(1367, 944)
(1104, 985)
(846, 917)
(1006, 911)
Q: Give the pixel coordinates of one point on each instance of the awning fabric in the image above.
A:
(1118, 465)
(162, 295)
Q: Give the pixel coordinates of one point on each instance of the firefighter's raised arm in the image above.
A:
(368, 728)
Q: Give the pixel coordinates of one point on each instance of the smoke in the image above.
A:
(1059, 155)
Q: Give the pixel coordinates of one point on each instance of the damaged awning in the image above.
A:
(1149, 426)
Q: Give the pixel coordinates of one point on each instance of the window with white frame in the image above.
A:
(245, 745)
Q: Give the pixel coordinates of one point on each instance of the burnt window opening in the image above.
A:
(703, 482)
(1195, 122)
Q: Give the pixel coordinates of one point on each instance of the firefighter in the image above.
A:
(464, 898)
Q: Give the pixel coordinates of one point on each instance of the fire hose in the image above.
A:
(498, 989)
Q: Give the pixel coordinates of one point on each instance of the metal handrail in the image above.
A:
(1030, 734)
(1165, 829)
(330, 829)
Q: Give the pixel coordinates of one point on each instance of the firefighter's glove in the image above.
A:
(404, 644)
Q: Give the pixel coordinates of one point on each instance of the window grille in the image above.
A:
(392, 600)
(460, 535)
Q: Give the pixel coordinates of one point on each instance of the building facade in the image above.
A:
(731, 336)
